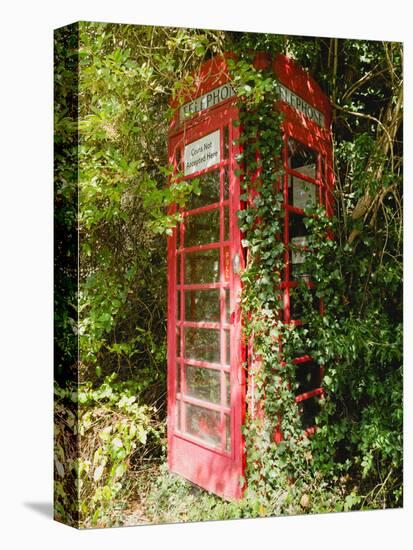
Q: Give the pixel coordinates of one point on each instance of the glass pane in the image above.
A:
(298, 271)
(204, 424)
(309, 410)
(227, 359)
(301, 158)
(202, 305)
(307, 377)
(202, 228)
(203, 383)
(227, 305)
(226, 142)
(227, 433)
(296, 305)
(209, 191)
(202, 344)
(202, 266)
(227, 389)
(297, 258)
(301, 194)
(226, 224)
(304, 345)
(226, 183)
(296, 226)
(297, 298)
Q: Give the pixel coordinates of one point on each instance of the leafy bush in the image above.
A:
(116, 433)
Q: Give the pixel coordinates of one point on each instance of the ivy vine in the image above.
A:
(278, 455)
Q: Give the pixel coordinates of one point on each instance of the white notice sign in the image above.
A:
(202, 153)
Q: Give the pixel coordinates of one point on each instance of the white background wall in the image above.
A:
(26, 270)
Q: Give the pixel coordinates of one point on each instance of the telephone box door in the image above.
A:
(205, 373)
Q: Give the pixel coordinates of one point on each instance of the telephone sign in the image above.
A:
(205, 101)
(298, 103)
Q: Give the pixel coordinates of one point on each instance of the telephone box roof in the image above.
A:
(215, 72)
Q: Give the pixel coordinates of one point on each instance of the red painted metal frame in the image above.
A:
(299, 128)
(212, 467)
(217, 469)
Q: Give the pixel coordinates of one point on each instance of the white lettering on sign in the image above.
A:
(298, 103)
(210, 99)
(203, 153)
(217, 95)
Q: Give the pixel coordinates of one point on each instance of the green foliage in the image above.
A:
(125, 189)
(65, 196)
(114, 189)
(279, 475)
(173, 499)
(358, 339)
(359, 277)
(114, 429)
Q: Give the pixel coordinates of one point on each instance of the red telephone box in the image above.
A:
(206, 378)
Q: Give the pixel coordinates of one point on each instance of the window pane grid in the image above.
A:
(305, 169)
(203, 284)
